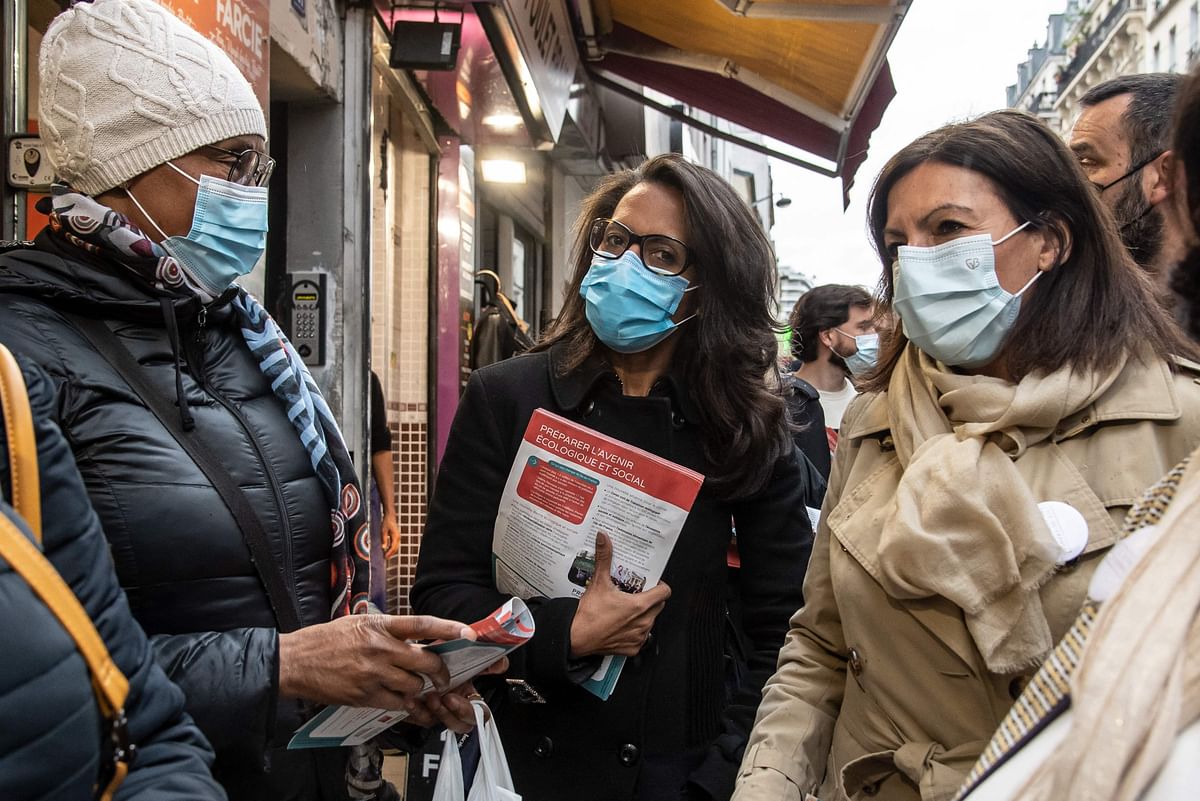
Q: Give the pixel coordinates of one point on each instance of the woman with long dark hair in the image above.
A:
(665, 342)
(1031, 392)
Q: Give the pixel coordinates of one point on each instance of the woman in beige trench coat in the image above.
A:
(1031, 365)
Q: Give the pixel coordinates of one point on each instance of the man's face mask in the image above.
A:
(1140, 224)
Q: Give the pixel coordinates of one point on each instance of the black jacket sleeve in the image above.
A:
(775, 541)
(231, 680)
(808, 426)
(454, 571)
(173, 758)
(381, 435)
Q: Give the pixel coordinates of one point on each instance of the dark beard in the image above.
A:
(1141, 225)
(1185, 282)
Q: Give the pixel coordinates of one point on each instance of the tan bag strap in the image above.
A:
(26, 559)
(22, 446)
(108, 682)
(524, 326)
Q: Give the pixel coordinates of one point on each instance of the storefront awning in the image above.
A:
(812, 75)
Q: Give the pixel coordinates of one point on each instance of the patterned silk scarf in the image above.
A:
(90, 225)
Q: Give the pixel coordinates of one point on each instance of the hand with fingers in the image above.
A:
(365, 660)
(453, 709)
(609, 621)
(389, 535)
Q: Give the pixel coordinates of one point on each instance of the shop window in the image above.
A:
(526, 271)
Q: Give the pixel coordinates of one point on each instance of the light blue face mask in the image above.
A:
(866, 357)
(228, 234)
(629, 305)
(951, 302)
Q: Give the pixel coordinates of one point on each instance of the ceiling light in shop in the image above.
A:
(503, 122)
(502, 171)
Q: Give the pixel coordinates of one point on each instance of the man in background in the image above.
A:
(1122, 142)
(385, 533)
(833, 335)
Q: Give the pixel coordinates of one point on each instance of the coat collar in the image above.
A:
(1145, 390)
(572, 387)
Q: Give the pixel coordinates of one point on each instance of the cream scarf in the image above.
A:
(1138, 682)
(964, 525)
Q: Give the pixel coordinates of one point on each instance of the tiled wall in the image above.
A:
(400, 319)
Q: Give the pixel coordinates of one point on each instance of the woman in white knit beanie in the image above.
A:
(220, 477)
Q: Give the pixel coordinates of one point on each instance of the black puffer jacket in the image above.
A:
(178, 552)
(51, 742)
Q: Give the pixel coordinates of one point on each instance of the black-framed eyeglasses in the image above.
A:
(250, 167)
(1134, 169)
(610, 239)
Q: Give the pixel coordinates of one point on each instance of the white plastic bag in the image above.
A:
(449, 784)
(493, 782)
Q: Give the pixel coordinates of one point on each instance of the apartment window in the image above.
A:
(743, 182)
(1172, 63)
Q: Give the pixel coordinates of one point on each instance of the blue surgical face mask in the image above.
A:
(228, 234)
(629, 305)
(866, 357)
(951, 302)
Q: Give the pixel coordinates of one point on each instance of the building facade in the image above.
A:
(1036, 89)
(1092, 41)
(1106, 38)
(1172, 36)
(793, 282)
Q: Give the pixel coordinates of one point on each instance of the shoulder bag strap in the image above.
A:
(108, 682)
(22, 447)
(23, 556)
(255, 536)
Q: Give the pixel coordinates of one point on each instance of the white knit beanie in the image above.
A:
(127, 86)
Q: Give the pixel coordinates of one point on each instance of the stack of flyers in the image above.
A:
(499, 634)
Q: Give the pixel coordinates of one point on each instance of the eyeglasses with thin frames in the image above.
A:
(250, 168)
(610, 239)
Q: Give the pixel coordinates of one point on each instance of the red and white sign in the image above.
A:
(242, 28)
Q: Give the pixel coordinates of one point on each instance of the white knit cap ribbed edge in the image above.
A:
(127, 86)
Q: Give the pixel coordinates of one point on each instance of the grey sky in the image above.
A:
(952, 59)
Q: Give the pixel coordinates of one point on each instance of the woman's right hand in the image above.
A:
(366, 660)
(609, 621)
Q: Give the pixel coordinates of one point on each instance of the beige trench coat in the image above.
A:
(875, 696)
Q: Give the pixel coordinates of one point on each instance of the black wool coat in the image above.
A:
(178, 552)
(671, 699)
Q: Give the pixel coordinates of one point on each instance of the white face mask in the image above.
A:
(866, 355)
(951, 302)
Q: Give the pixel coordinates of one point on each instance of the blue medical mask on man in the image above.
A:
(629, 304)
(950, 301)
(228, 234)
(866, 355)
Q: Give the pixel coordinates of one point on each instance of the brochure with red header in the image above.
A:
(568, 483)
(497, 635)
